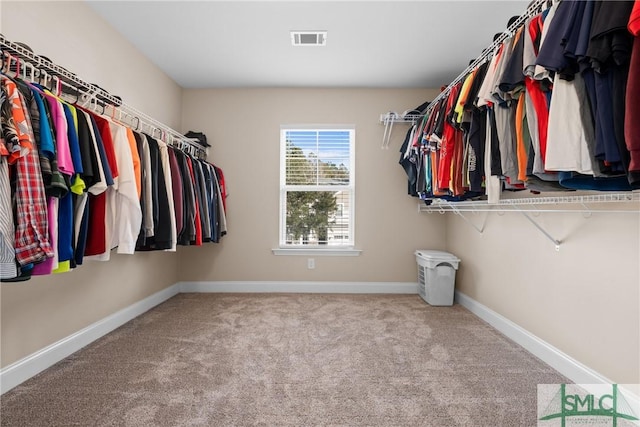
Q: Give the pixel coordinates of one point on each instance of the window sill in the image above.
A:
(317, 251)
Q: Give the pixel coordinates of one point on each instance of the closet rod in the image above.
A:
(93, 92)
(532, 10)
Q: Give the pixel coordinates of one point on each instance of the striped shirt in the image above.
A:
(8, 268)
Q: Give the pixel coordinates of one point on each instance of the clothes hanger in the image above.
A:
(29, 72)
(113, 111)
(24, 71)
(101, 105)
(43, 78)
(84, 100)
(6, 65)
(76, 92)
(137, 123)
(32, 75)
(55, 88)
(94, 100)
(92, 104)
(14, 67)
(5, 56)
(20, 66)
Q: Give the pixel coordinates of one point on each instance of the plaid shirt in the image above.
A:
(32, 228)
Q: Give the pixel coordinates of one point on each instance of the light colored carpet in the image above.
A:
(289, 360)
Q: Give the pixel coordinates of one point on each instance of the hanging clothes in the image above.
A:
(98, 233)
(146, 187)
(83, 185)
(158, 237)
(7, 230)
(126, 211)
(632, 107)
(547, 112)
(178, 198)
(197, 202)
(32, 243)
(188, 229)
(168, 182)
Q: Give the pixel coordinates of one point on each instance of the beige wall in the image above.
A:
(584, 299)
(72, 35)
(37, 313)
(243, 126)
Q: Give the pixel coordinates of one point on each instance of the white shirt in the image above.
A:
(567, 148)
(127, 212)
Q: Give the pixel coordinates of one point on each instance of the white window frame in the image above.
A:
(346, 249)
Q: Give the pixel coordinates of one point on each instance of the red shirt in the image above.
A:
(632, 109)
(634, 19)
(198, 224)
(448, 142)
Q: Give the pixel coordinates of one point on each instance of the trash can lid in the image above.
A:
(436, 255)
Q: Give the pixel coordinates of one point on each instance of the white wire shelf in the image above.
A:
(388, 119)
(625, 202)
(400, 118)
(19, 56)
(587, 204)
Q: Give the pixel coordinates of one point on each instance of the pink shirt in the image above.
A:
(63, 153)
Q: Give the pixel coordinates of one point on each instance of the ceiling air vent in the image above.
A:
(309, 38)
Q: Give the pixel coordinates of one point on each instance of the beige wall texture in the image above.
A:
(243, 125)
(46, 309)
(583, 299)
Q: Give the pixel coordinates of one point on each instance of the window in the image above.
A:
(316, 187)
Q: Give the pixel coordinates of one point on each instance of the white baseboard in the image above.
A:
(561, 362)
(302, 287)
(37, 362)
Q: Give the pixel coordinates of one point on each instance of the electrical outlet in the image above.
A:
(311, 263)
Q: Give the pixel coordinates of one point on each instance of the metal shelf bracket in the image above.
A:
(468, 221)
(390, 118)
(556, 242)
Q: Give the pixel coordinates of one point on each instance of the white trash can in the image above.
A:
(436, 276)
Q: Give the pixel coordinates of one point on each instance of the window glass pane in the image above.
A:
(317, 218)
(317, 187)
(317, 157)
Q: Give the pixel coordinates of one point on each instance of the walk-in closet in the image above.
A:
(214, 213)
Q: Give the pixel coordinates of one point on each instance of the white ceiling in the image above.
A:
(204, 44)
